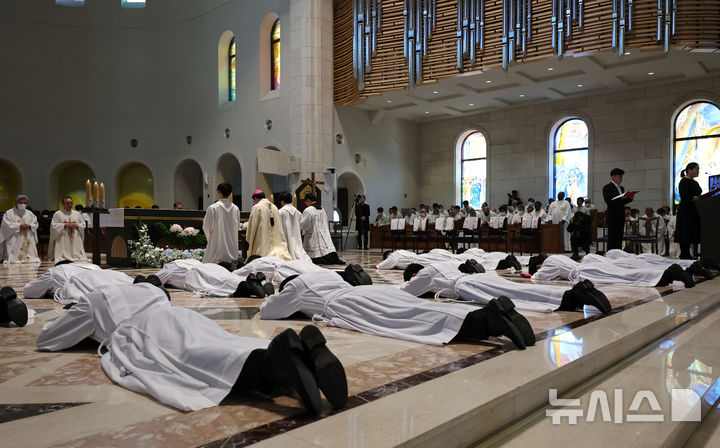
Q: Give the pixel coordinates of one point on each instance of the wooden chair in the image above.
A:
(648, 232)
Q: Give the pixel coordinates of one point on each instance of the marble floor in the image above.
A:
(68, 395)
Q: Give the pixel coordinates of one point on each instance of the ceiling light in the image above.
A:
(522, 95)
(488, 81)
(551, 69)
(651, 73)
(389, 101)
(580, 85)
(427, 112)
(627, 53)
(435, 92)
(471, 104)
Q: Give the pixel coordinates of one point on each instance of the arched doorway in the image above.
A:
(270, 183)
(188, 187)
(135, 186)
(348, 186)
(68, 179)
(10, 184)
(228, 170)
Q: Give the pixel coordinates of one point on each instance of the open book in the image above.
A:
(626, 194)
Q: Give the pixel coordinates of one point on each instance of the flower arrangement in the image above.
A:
(144, 252)
(177, 237)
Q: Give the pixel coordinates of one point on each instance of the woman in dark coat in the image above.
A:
(687, 231)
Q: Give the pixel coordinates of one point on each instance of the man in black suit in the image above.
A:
(362, 214)
(615, 212)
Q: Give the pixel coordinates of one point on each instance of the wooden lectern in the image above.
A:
(709, 209)
(551, 238)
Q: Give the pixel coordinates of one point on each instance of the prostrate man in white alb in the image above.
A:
(316, 232)
(55, 278)
(87, 281)
(560, 214)
(265, 235)
(18, 234)
(390, 312)
(144, 334)
(276, 269)
(291, 221)
(67, 232)
(221, 226)
(212, 280)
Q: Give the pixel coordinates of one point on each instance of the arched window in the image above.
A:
(275, 56)
(231, 70)
(473, 169)
(696, 139)
(570, 159)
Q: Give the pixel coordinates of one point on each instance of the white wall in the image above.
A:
(81, 82)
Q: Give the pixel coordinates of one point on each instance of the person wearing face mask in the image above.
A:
(221, 225)
(67, 231)
(518, 215)
(18, 234)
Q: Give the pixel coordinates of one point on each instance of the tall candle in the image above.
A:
(88, 193)
(96, 194)
(102, 193)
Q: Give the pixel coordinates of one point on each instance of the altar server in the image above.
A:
(18, 234)
(316, 232)
(291, 220)
(560, 211)
(67, 231)
(390, 312)
(55, 278)
(189, 362)
(221, 225)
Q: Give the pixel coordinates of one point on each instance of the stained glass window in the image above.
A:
(570, 159)
(133, 3)
(275, 56)
(697, 139)
(73, 3)
(231, 69)
(473, 169)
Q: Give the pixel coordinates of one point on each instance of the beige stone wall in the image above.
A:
(630, 129)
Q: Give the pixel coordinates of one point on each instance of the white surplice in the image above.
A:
(221, 225)
(19, 246)
(560, 210)
(379, 310)
(599, 270)
(173, 273)
(178, 356)
(211, 280)
(84, 282)
(276, 270)
(291, 221)
(54, 279)
(648, 259)
(65, 243)
(316, 233)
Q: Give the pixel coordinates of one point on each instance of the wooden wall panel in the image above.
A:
(697, 27)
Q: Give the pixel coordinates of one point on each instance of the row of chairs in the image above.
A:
(637, 232)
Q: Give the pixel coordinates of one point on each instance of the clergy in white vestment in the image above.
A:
(67, 232)
(221, 225)
(560, 211)
(390, 312)
(291, 221)
(265, 233)
(316, 233)
(54, 279)
(18, 234)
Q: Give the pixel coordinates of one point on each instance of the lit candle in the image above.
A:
(102, 193)
(88, 193)
(96, 194)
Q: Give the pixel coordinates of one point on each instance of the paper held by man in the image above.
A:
(627, 194)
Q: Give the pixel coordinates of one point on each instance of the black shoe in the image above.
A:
(471, 267)
(140, 279)
(11, 308)
(242, 290)
(329, 372)
(254, 285)
(356, 276)
(584, 293)
(517, 319)
(284, 360)
(509, 262)
(678, 273)
(499, 324)
(697, 269)
(154, 280)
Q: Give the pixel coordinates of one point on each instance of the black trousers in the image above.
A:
(578, 243)
(615, 233)
(363, 239)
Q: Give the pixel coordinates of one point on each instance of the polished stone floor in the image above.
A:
(68, 395)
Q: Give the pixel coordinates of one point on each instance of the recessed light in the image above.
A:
(435, 92)
(580, 85)
(522, 95)
(627, 53)
(551, 69)
(651, 73)
(389, 101)
(471, 104)
(427, 112)
(488, 81)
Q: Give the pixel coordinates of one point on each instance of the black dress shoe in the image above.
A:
(328, 370)
(140, 279)
(471, 267)
(517, 319)
(11, 308)
(254, 286)
(585, 293)
(499, 324)
(678, 273)
(697, 269)
(154, 280)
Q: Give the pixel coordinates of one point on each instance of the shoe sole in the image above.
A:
(17, 311)
(298, 372)
(329, 371)
(515, 335)
(589, 295)
(517, 319)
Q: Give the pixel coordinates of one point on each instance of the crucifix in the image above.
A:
(308, 186)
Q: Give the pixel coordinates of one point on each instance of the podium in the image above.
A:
(709, 210)
(551, 238)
